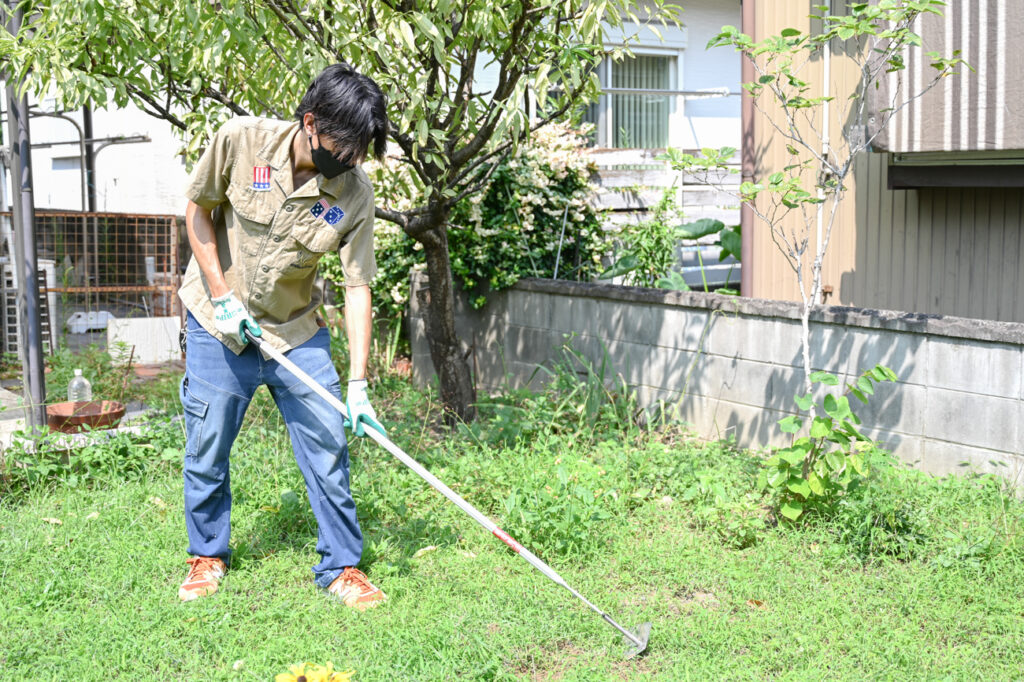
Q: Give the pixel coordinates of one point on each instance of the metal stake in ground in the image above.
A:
(636, 639)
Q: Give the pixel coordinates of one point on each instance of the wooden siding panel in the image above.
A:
(883, 258)
(897, 247)
(912, 242)
(1011, 263)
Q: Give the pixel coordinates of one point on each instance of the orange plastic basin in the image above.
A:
(71, 417)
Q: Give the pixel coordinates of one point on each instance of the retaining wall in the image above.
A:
(731, 366)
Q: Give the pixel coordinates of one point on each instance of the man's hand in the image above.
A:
(360, 411)
(231, 317)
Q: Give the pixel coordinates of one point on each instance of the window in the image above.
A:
(628, 115)
(67, 163)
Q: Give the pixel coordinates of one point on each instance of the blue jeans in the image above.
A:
(215, 393)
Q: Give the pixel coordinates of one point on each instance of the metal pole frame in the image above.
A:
(30, 326)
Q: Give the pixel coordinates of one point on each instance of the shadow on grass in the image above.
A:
(390, 534)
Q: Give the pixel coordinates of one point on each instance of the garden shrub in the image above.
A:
(509, 230)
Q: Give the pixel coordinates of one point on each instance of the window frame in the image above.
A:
(650, 41)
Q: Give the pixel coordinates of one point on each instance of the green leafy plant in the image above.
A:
(647, 250)
(833, 459)
(534, 218)
(729, 239)
(561, 510)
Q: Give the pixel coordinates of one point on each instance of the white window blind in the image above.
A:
(635, 120)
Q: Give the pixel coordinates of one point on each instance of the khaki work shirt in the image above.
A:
(270, 236)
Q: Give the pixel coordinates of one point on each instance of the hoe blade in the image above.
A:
(642, 633)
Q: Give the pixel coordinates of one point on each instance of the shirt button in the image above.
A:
(266, 268)
(257, 295)
(277, 238)
(289, 208)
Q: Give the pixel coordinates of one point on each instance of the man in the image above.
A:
(266, 201)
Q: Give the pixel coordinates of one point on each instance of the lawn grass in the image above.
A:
(628, 524)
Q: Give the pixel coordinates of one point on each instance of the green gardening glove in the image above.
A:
(360, 411)
(231, 317)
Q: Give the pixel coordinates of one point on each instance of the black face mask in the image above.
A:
(325, 162)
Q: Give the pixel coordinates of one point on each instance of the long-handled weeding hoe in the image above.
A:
(636, 639)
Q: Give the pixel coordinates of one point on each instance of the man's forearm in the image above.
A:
(358, 326)
(203, 240)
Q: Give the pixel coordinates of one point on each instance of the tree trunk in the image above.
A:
(458, 394)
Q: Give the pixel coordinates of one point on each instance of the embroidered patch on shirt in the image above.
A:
(261, 178)
(319, 208)
(334, 216)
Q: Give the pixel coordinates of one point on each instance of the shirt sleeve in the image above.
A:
(208, 185)
(357, 259)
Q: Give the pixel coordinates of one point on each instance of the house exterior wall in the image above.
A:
(710, 122)
(938, 251)
(145, 177)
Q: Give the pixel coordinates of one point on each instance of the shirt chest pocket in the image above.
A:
(310, 240)
(256, 209)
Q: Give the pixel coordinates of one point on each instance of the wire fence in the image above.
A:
(93, 267)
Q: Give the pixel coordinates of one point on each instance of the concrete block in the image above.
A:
(744, 382)
(422, 369)
(852, 350)
(657, 367)
(907, 448)
(755, 338)
(155, 339)
(942, 458)
(752, 427)
(679, 328)
(535, 309)
(972, 420)
(530, 345)
(897, 408)
(987, 368)
(418, 336)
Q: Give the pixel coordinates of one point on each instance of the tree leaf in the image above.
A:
(799, 486)
(699, 228)
(624, 265)
(790, 424)
(804, 402)
(792, 510)
(815, 484)
(824, 378)
(732, 243)
(821, 427)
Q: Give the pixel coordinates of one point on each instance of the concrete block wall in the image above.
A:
(731, 366)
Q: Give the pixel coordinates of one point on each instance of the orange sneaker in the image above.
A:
(203, 577)
(354, 589)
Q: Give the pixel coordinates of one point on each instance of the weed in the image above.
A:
(56, 459)
(834, 459)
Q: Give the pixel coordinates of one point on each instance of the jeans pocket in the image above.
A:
(195, 415)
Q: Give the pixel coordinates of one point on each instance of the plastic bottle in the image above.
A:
(79, 389)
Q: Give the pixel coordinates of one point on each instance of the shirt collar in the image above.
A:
(277, 154)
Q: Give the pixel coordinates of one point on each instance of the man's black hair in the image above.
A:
(350, 111)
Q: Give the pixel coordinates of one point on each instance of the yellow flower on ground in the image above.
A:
(310, 672)
(296, 673)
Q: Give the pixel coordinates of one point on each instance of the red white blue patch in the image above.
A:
(334, 216)
(261, 178)
(319, 208)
